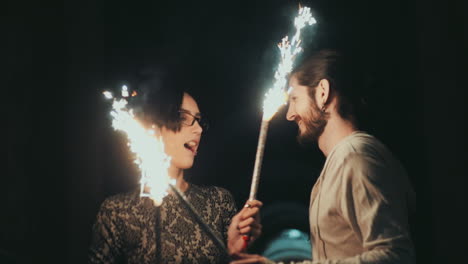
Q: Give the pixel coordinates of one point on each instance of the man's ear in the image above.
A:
(322, 93)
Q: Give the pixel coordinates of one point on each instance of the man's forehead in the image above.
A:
(293, 80)
(293, 83)
(294, 89)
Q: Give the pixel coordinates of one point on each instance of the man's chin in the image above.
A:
(307, 138)
(309, 134)
(303, 141)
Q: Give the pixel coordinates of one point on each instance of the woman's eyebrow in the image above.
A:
(198, 114)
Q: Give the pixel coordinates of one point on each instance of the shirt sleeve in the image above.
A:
(106, 239)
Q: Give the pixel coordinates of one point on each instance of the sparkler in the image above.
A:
(151, 160)
(150, 156)
(277, 96)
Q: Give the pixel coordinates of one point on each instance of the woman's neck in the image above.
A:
(178, 175)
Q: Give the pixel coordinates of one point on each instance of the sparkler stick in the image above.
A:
(277, 96)
(258, 159)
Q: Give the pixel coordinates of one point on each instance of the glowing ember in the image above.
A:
(150, 156)
(124, 91)
(108, 95)
(276, 96)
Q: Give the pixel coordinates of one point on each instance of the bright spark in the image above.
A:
(108, 94)
(276, 96)
(124, 91)
(150, 156)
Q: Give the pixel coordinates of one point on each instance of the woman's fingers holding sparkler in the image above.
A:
(252, 212)
(250, 227)
(249, 224)
(253, 203)
(245, 227)
(236, 240)
(251, 209)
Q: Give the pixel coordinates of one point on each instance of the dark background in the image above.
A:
(64, 158)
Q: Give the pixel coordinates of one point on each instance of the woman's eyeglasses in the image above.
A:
(188, 119)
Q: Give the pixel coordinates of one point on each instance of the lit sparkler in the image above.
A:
(150, 156)
(277, 96)
(151, 160)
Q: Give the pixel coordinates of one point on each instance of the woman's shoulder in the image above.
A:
(121, 201)
(214, 194)
(211, 191)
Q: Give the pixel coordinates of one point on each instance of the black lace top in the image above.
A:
(131, 229)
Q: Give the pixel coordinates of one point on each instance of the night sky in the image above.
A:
(64, 158)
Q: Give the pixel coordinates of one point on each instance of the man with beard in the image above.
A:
(360, 204)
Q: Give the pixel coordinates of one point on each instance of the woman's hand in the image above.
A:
(245, 224)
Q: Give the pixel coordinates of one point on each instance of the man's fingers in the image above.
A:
(243, 258)
(246, 261)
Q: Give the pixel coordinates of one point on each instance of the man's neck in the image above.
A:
(336, 130)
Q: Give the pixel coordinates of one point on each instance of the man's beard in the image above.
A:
(313, 125)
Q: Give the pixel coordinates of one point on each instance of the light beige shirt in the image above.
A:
(359, 205)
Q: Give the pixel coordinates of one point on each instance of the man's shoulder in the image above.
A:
(361, 145)
(365, 157)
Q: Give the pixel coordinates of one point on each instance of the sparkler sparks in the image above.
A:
(277, 96)
(151, 158)
(108, 95)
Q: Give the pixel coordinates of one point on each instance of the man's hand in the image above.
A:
(242, 258)
(246, 222)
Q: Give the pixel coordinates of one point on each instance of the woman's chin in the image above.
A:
(184, 165)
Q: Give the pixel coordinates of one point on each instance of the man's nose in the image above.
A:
(291, 114)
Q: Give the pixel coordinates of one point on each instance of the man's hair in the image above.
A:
(341, 74)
